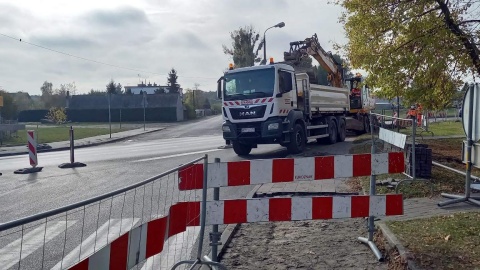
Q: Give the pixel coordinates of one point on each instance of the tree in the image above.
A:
(172, 79)
(118, 89)
(206, 104)
(113, 88)
(47, 93)
(96, 92)
(57, 115)
(160, 90)
(431, 43)
(243, 47)
(128, 91)
(9, 109)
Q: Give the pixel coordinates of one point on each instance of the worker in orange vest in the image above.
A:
(419, 114)
(412, 113)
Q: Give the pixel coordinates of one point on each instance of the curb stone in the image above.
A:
(394, 242)
(81, 146)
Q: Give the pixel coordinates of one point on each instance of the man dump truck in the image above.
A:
(279, 103)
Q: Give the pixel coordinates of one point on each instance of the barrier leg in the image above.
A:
(203, 210)
(371, 219)
(72, 163)
(215, 235)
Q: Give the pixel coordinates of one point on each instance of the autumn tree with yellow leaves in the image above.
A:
(418, 49)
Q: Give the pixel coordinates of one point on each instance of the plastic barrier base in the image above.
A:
(28, 170)
(72, 165)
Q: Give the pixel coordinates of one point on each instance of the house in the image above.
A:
(149, 89)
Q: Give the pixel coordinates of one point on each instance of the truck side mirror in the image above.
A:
(219, 88)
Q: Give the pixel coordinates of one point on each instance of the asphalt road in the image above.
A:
(109, 167)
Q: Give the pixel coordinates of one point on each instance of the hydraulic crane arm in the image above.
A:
(311, 46)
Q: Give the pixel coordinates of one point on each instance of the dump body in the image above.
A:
(328, 99)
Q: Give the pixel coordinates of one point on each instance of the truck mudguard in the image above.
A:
(293, 116)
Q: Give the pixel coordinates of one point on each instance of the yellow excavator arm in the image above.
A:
(311, 46)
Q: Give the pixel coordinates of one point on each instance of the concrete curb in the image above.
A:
(227, 234)
(81, 146)
(394, 242)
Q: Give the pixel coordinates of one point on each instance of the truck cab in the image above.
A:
(255, 102)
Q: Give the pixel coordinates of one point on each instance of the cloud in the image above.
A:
(147, 35)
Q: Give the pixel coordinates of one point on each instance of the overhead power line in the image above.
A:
(95, 61)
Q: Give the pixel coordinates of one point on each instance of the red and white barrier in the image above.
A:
(145, 241)
(302, 208)
(32, 148)
(148, 239)
(255, 172)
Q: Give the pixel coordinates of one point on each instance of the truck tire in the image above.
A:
(332, 132)
(342, 130)
(297, 141)
(241, 149)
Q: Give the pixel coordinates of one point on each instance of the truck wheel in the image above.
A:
(297, 140)
(342, 130)
(241, 149)
(332, 132)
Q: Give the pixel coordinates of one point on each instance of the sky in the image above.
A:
(147, 38)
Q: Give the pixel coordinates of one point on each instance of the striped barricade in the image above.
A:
(148, 239)
(255, 172)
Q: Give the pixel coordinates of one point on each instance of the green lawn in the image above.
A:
(57, 134)
(451, 112)
(445, 242)
(447, 128)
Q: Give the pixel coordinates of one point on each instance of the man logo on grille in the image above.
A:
(249, 113)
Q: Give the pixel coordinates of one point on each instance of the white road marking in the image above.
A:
(10, 254)
(176, 155)
(97, 240)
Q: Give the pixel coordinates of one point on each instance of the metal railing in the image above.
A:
(63, 237)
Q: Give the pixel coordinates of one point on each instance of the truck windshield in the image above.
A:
(249, 84)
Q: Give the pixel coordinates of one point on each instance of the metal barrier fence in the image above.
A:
(387, 136)
(295, 208)
(111, 231)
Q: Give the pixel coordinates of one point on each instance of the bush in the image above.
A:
(57, 115)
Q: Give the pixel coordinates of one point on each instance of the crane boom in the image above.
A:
(311, 46)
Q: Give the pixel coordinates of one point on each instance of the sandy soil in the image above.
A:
(301, 245)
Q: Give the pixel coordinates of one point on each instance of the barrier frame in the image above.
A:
(413, 124)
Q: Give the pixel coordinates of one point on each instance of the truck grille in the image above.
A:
(253, 112)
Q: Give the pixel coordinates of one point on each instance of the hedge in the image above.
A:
(101, 115)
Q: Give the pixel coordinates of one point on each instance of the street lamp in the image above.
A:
(279, 25)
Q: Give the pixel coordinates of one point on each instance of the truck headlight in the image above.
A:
(226, 128)
(273, 126)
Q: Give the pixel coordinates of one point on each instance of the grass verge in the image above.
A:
(444, 151)
(447, 128)
(57, 134)
(445, 242)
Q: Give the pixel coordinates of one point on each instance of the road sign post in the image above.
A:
(471, 116)
(72, 163)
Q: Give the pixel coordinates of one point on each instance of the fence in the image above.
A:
(386, 136)
(128, 226)
(118, 230)
(242, 173)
